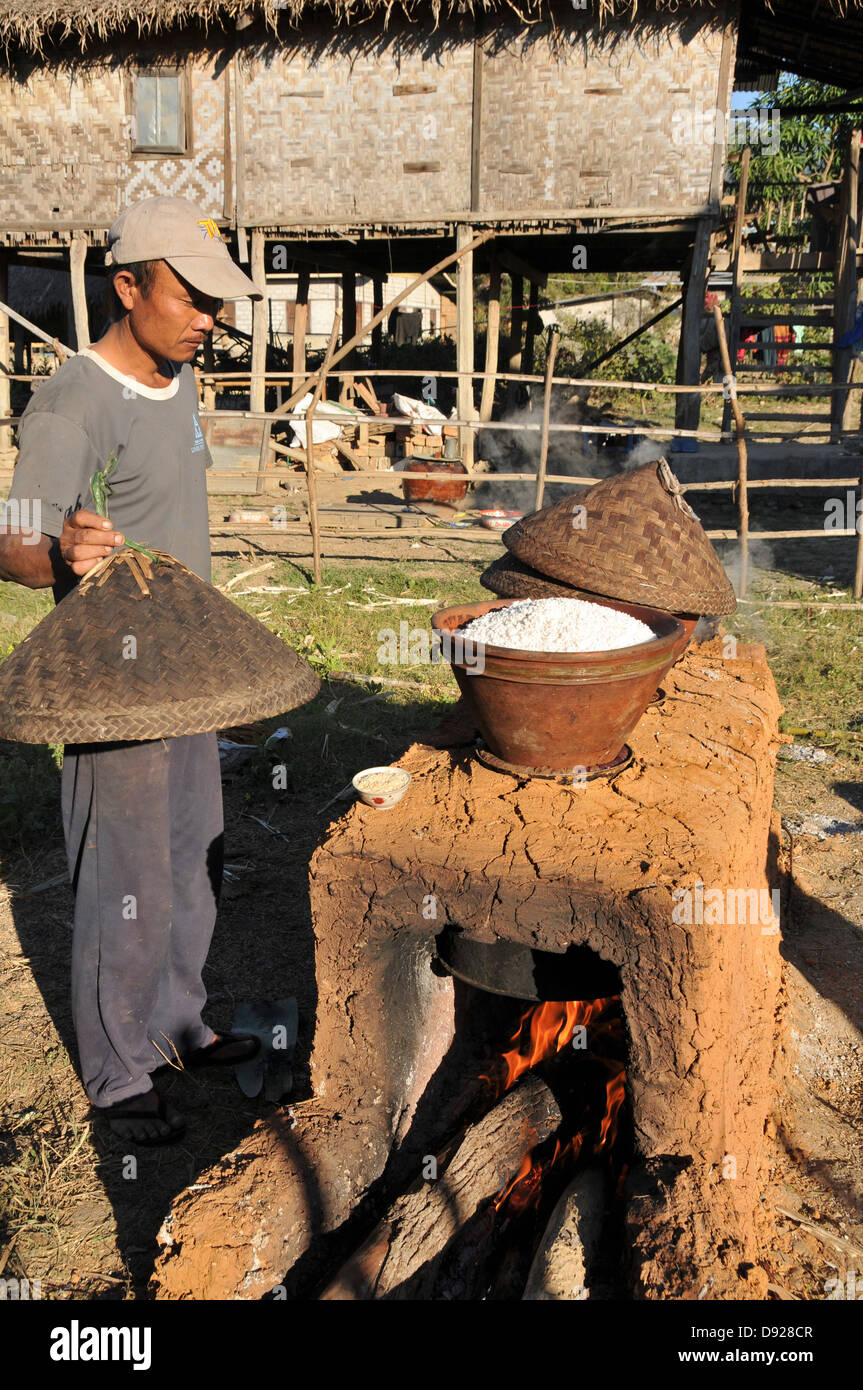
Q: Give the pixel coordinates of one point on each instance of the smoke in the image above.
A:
(575, 455)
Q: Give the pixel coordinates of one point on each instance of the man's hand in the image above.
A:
(86, 539)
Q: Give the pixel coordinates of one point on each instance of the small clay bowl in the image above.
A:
(382, 801)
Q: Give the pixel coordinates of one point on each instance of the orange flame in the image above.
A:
(615, 1091)
(543, 1030)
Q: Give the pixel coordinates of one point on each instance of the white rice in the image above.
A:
(558, 625)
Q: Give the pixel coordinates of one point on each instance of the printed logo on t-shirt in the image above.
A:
(198, 443)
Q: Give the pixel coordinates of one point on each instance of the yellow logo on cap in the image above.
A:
(210, 228)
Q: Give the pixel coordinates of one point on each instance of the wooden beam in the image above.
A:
(723, 98)
(465, 340)
(311, 477)
(510, 261)
(476, 127)
(492, 340)
(77, 262)
(301, 327)
(688, 408)
(260, 326)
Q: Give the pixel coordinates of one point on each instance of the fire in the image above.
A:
(542, 1031)
(615, 1091)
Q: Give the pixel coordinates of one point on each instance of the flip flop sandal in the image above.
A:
(229, 1050)
(123, 1111)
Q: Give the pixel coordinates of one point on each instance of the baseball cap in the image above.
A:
(176, 230)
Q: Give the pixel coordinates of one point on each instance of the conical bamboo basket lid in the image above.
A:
(145, 650)
(636, 539)
(509, 578)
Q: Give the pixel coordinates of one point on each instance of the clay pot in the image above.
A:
(419, 489)
(560, 710)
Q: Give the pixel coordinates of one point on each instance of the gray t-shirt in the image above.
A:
(86, 411)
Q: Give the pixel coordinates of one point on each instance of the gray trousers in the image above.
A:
(143, 826)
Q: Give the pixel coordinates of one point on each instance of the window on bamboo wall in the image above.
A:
(161, 111)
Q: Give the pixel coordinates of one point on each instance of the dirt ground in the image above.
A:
(84, 1220)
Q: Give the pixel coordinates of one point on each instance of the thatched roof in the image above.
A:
(29, 23)
(773, 34)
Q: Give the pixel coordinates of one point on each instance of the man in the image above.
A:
(142, 821)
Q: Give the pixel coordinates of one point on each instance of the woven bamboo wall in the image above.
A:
(383, 134)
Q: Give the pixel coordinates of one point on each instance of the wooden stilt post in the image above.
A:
(688, 407)
(258, 384)
(378, 291)
(516, 322)
(465, 342)
(349, 328)
(735, 314)
(301, 328)
(311, 476)
(492, 340)
(845, 283)
(77, 261)
(742, 457)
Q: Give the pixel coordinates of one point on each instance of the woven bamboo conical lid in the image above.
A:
(636, 539)
(509, 578)
(145, 650)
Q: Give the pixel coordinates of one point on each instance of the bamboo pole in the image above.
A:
(311, 479)
(479, 240)
(492, 342)
(516, 323)
(465, 340)
(553, 341)
(742, 459)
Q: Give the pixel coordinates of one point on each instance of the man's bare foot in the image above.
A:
(145, 1119)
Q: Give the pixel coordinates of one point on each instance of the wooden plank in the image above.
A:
(530, 328)
(516, 295)
(260, 326)
(77, 262)
(723, 97)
